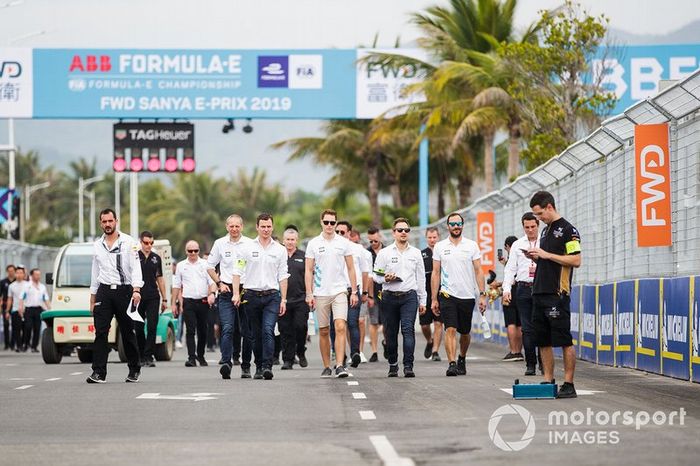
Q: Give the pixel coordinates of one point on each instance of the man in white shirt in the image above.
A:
(34, 301)
(399, 268)
(519, 275)
(328, 259)
(14, 295)
(115, 284)
(457, 275)
(224, 253)
(193, 294)
(263, 261)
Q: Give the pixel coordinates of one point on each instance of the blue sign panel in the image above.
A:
(605, 324)
(575, 308)
(695, 330)
(625, 305)
(675, 327)
(161, 83)
(648, 331)
(588, 325)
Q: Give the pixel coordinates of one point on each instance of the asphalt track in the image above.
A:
(183, 416)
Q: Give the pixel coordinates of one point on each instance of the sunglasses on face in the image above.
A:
(455, 224)
(373, 241)
(402, 230)
(329, 222)
(146, 243)
(193, 251)
(340, 232)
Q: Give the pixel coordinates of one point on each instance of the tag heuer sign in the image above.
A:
(153, 147)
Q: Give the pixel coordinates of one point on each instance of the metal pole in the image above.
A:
(134, 207)
(423, 189)
(117, 194)
(81, 230)
(21, 214)
(11, 164)
(28, 191)
(91, 194)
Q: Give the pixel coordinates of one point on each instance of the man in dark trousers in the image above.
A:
(153, 298)
(4, 286)
(115, 284)
(293, 324)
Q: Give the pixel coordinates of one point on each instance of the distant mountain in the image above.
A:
(688, 34)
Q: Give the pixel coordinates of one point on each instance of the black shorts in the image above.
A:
(457, 313)
(428, 318)
(551, 320)
(511, 315)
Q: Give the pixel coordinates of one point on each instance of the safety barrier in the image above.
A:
(29, 255)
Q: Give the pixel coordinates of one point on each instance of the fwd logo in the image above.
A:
(485, 238)
(10, 69)
(653, 185)
(90, 63)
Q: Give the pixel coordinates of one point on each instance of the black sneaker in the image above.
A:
(225, 371)
(202, 361)
(373, 358)
(96, 378)
(150, 363)
(287, 366)
(327, 373)
(567, 390)
(245, 373)
(340, 372)
(267, 374)
(519, 357)
(133, 377)
(530, 370)
(428, 351)
(393, 370)
(510, 357)
(356, 360)
(236, 362)
(451, 370)
(436, 357)
(302, 361)
(461, 366)
(191, 363)
(544, 382)
(222, 362)
(258, 374)
(408, 372)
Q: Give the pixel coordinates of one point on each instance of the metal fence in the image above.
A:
(593, 182)
(29, 255)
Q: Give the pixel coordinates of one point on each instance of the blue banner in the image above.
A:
(648, 345)
(675, 327)
(625, 307)
(695, 330)
(588, 322)
(605, 325)
(575, 307)
(5, 207)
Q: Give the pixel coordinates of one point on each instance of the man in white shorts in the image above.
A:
(328, 259)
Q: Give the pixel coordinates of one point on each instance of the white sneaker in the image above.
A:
(178, 344)
(363, 358)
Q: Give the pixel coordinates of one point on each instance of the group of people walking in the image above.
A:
(23, 298)
(260, 284)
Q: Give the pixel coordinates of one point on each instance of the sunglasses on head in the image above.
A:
(329, 222)
(455, 224)
(193, 251)
(402, 230)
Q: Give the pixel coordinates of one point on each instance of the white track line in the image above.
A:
(52, 379)
(359, 396)
(353, 382)
(387, 453)
(367, 415)
(24, 387)
(17, 379)
(76, 373)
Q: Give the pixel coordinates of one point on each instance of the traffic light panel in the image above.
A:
(188, 161)
(153, 147)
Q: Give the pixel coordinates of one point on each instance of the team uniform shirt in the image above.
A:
(35, 295)
(118, 265)
(16, 292)
(560, 238)
(192, 278)
(457, 277)
(151, 269)
(224, 253)
(519, 268)
(264, 267)
(361, 264)
(296, 287)
(407, 265)
(330, 270)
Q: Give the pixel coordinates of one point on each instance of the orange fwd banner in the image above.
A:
(486, 239)
(652, 166)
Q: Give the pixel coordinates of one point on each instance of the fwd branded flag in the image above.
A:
(652, 185)
(486, 238)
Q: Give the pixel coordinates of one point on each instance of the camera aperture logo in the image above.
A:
(509, 410)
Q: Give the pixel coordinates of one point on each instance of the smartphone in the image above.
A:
(500, 254)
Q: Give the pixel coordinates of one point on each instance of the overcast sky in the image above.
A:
(240, 25)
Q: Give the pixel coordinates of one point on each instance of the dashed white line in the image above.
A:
(367, 415)
(17, 379)
(76, 373)
(359, 396)
(24, 387)
(52, 379)
(387, 453)
(353, 382)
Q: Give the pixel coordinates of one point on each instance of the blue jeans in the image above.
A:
(400, 312)
(227, 316)
(262, 312)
